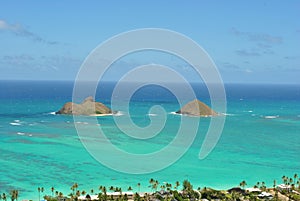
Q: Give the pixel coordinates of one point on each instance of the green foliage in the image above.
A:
(137, 197)
(169, 192)
(212, 194)
(187, 186)
(295, 197)
(177, 196)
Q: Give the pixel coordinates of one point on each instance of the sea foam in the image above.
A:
(15, 124)
(271, 117)
(118, 113)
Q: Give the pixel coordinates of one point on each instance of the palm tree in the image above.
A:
(290, 180)
(136, 197)
(151, 181)
(14, 195)
(120, 191)
(75, 186)
(139, 186)
(100, 188)
(243, 184)
(156, 186)
(71, 197)
(295, 178)
(72, 189)
(39, 190)
(52, 190)
(274, 184)
(77, 193)
(263, 187)
(283, 178)
(169, 186)
(4, 196)
(104, 192)
(187, 186)
(129, 188)
(99, 196)
(92, 191)
(257, 184)
(83, 192)
(177, 184)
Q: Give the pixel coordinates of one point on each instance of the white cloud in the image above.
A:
(14, 28)
(19, 30)
(248, 71)
(265, 38)
(3, 24)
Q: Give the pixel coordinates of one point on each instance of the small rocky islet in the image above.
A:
(88, 107)
(197, 108)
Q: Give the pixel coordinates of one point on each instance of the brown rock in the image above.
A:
(87, 107)
(196, 108)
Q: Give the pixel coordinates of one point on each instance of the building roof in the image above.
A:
(265, 194)
(253, 190)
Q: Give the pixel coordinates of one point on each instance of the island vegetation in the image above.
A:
(289, 189)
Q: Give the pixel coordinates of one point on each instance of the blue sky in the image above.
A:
(250, 41)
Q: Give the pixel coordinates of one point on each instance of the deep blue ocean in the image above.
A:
(260, 140)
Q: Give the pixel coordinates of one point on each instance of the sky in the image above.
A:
(249, 41)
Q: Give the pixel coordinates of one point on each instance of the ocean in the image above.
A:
(260, 140)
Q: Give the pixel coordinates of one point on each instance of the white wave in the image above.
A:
(271, 117)
(17, 121)
(81, 122)
(253, 115)
(15, 124)
(53, 113)
(175, 113)
(250, 111)
(30, 135)
(118, 113)
(227, 114)
(20, 133)
(150, 114)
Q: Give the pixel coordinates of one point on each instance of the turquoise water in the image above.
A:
(260, 140)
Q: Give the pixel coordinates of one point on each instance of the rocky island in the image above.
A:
(88, 107)
(197, 108)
